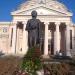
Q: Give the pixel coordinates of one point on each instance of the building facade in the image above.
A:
(57, 29)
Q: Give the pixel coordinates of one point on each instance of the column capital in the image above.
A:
(57, 23)
(67, 23)
(24, 22)
(68, 27)
(46, 23)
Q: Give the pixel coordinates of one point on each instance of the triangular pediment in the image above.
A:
(41, 11)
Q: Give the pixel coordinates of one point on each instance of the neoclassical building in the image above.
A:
(57, 28)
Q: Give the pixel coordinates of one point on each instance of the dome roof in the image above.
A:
(52, 4)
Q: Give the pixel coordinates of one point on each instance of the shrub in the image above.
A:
(31, 62)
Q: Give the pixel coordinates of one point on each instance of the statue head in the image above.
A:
(34, 14)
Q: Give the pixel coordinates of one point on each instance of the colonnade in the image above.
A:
(56, 38)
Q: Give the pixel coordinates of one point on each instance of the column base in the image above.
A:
(45, 56)
(68, 53)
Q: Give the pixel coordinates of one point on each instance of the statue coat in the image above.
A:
(33, 28)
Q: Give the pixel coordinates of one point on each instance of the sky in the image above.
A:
(7, 6)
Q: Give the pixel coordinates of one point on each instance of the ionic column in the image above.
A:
(57, 38)
(14, 38)
(46, 39)
(25, 39)
(68, 53)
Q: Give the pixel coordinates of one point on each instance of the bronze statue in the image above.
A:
(33, 28)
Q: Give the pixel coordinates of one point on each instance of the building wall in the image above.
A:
(4, 36)
(71, 39)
